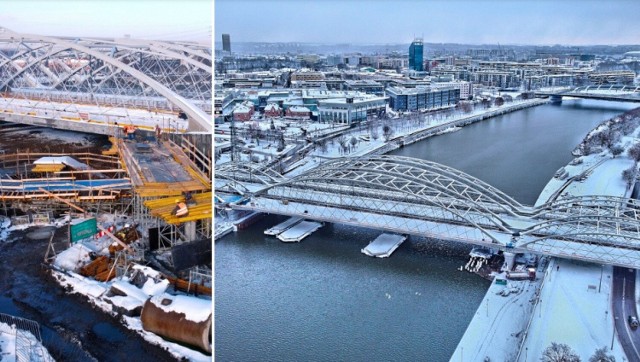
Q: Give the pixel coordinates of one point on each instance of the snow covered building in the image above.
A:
(367, 86)
(306, 74)
(420, 98)
(243, 111)
(272, 110)
(466, 88)
(348, 110)
(298, 111)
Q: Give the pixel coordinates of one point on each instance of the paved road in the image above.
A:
(623, 305)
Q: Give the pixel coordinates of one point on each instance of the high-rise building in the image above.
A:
(415, 55)
(226, 42)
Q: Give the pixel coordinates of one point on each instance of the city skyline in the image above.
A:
(463, 22)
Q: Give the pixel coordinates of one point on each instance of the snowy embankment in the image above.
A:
(406, 132)
(119, 295)
(575, 291)
(572, 292)
(496, 329)
(575, 309)
(122, 294)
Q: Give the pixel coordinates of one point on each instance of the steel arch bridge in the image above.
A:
(109, 73)
(412, 196)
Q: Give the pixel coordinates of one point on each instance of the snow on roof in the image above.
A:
(272, 107)
(65, 160)
(241, 108)
(195, 309)
(299, 109)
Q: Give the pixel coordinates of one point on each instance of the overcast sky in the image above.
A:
(572, 22)
(155, 19)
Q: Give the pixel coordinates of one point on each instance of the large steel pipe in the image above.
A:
(179, 318)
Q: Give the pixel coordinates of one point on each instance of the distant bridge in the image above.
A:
(602, 92)
(418, 197)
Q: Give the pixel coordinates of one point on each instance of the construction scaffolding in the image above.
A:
(161, 175)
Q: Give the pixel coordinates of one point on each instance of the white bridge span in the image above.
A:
(419, 197)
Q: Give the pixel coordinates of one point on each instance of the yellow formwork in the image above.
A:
(168, 189)
(48, 167)
(163, 208)
(158, 205)
(113, 151)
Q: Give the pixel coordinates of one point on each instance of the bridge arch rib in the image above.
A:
(400, 186)
(28, 64)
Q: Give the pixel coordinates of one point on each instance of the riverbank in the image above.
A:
(72, 329)
(568, 291)
(405, 132)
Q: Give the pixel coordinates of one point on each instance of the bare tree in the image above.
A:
(601, 355)
(499, 101)
(559, 352)
(629, 175)
(616, 150)
(354, 142)
(387, 132)
(634, 152)
(465, 107)
(374, 133)
(342, 140)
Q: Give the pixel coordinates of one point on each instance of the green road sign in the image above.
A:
(83, 230)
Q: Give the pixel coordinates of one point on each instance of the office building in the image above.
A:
(350, 109)
(226, 42)
(415, 55)
(421, 98)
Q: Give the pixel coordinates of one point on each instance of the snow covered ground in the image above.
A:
(575, 310)
(402, 126)
(11, 339)
(496, 329)
(97, 294)
(604, 177)
(563, 309)
(68, 262)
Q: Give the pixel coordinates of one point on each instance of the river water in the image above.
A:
(322, 300)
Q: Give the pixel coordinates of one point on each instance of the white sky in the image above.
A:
(573, 22)
(148, 19)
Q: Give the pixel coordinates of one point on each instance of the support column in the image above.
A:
(509, 259)
(190, 230)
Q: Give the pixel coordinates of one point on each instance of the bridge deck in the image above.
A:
(159, 170)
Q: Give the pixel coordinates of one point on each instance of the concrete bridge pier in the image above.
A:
(509, 259)
(556, 98)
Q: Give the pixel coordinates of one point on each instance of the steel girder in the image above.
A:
(248, 172)
(401, 188)
(127, 71)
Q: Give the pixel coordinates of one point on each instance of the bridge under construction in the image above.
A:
(103, 86)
